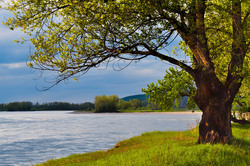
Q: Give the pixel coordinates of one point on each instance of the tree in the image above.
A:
(178, 83)
(135, 103)
(169, 91)
(106, 103)
(19, 106)
(86, 106)
(123, 105)
(2, 107)
(73, 36)
(242, 100)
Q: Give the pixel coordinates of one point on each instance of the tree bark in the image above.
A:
(213, 99)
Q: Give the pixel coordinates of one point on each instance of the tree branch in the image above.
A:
(175, 62)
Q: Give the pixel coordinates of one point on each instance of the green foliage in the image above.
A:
(242, 100)
(132, 104)
(71, 37)
(220, 37)
(2, 107)
(170, 90)
(87, 106)
(106, 103)
(167, 148)
(123, 105)
(176, 84)
(66, 32)
(135, 103)
(29, 106)
(19, 106)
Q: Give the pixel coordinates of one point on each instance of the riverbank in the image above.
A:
(167, 148)
(141, 112)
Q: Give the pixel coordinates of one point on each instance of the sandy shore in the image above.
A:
(182, 112)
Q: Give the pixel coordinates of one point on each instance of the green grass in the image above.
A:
(142, 110)
(167, 148)
(149, 110)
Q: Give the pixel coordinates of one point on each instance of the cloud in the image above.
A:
(14, 65)
(96, 82)
(9, 50)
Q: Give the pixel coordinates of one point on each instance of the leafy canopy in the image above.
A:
(170, 90)
(72, 36)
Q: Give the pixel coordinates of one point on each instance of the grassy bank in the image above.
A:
(150, 110)
(167, 148)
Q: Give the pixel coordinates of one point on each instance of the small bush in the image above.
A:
(106, 103)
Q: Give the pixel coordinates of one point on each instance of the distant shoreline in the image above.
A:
(89, 112)
(182, 112)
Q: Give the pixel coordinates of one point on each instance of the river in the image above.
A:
(28, 138)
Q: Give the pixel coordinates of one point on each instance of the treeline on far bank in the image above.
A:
(29, 106)
(112, 103)
(102, 104)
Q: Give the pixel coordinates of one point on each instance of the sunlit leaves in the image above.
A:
(169, 91)
(78, 35)
(72, 36)
(106, 103)
(220, 34)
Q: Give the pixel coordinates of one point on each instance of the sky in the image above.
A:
(19, 83)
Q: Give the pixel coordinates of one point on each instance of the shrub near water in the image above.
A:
(106, 103)
(168, 148)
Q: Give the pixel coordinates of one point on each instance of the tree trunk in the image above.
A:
(213, 99)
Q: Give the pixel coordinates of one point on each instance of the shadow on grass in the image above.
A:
(241, 126)
(241, 142)
(241, 135)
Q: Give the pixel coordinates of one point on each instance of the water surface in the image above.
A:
(28, 138)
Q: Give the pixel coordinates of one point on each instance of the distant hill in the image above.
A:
(183, 103)
(141, 97)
